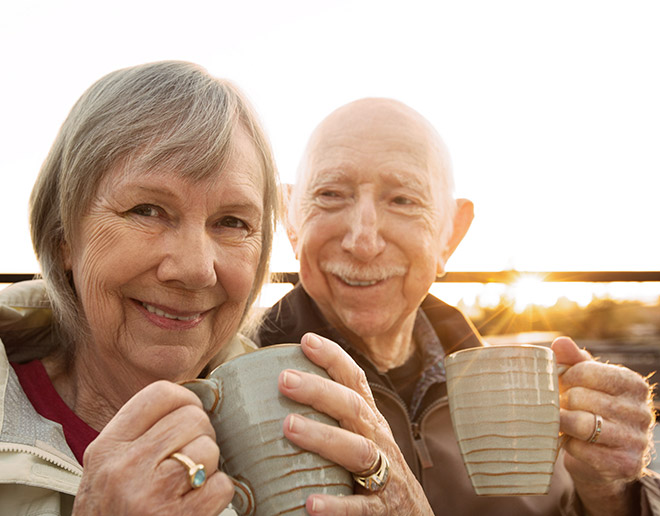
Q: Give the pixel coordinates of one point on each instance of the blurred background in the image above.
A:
(550, 110)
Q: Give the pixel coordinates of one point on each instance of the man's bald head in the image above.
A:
(367, 123)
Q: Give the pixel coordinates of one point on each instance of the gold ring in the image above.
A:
(376, 477)
(598, 426)
(196, 472)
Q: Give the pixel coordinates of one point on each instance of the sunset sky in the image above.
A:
(551, 110)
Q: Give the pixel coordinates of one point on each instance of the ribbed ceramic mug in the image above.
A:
(271, 475)
(504, 404)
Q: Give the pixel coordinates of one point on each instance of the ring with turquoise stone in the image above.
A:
(196, 472)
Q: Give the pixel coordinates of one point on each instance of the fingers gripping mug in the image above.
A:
(504, 405)
(271, 475)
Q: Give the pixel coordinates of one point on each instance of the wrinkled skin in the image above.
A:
(603, 472)
(128, 470)
(127, 467)
(362, 430)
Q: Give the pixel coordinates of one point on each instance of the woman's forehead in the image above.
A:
(241, 163)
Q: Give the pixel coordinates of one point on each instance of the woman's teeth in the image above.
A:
(159, 312)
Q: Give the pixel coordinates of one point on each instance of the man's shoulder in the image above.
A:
(452, 326)
(289, 319)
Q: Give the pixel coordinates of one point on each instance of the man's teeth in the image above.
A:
(354, 283)
(160, 313)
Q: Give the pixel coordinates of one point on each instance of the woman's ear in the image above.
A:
(65, 250)
(461, 224)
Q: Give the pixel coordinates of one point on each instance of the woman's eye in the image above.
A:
(145, 210)
(233, 222)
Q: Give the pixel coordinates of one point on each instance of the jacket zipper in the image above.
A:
(420, 445)
(384, 390)
(18, 448)
(423, 456)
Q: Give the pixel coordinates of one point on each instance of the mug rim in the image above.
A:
(498, 346)
(247, 353)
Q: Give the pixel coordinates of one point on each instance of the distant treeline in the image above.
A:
(601, 319)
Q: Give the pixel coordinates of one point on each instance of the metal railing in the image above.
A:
(507, 276)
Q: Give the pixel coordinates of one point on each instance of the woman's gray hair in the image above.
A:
(172, 115)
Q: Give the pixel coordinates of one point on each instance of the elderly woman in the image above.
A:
(152, 219)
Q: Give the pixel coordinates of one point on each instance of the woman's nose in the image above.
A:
(363, 238)
(189, 260)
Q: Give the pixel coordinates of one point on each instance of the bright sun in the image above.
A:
(528, 290)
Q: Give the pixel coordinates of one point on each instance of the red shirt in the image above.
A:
(45, 400)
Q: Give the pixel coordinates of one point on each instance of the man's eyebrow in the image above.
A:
(326, 175)
(412, 181)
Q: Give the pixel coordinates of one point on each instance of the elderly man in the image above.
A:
(372, 220)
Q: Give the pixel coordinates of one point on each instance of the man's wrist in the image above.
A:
(619, 498)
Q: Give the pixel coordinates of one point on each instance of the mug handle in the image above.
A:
(209, 391)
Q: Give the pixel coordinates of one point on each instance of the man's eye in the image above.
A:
(145, 210)
(233, 222)
(329, 193)
(402, 200)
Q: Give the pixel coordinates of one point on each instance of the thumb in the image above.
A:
(567, 351)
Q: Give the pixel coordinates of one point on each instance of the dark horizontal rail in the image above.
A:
(474, 277)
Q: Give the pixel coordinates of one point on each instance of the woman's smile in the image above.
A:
(170, 318)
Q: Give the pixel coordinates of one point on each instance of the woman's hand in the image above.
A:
(128, 469)
(355, 444)
(604, 464)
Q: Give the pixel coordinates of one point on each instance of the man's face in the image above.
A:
(369, 224)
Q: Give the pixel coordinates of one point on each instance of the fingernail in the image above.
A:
(295, 424)
(291, 380)
(313, 341)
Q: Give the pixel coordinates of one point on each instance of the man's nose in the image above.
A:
(189, 260)
(363, 238)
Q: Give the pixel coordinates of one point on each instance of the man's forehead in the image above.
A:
(390, 153)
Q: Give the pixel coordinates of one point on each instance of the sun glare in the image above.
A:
(528, 290)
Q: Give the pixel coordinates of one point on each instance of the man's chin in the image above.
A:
(366, 327)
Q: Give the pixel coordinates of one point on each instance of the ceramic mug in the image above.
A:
(504, 404)
(271, 475)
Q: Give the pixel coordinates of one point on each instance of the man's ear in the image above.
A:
(286, 189)
(462, 221)
(293, 237)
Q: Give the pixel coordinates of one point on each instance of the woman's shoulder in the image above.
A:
(26, 318)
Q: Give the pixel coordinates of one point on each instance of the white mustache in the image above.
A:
(361, 272)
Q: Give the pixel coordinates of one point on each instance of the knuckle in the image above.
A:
(573, 398)
(360, 380)
(576, 375)
(646, 417)
(367, 453)
(162, 388)
(585, 426)
(211, 449)
(631, 466)
(195, 418)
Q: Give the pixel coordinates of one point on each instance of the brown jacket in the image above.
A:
(427, 440)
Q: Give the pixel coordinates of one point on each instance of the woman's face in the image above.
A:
(163, 266)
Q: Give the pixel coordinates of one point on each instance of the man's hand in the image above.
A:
(604, 470)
